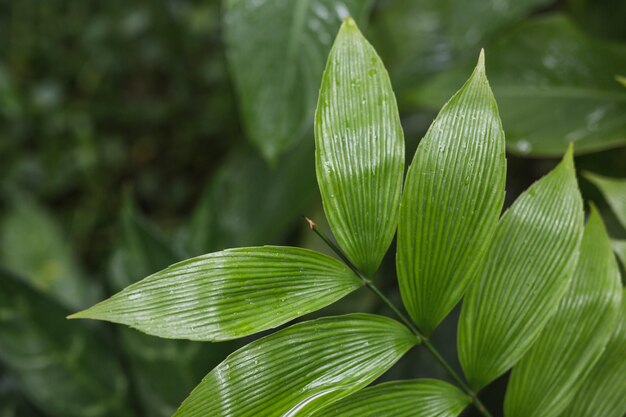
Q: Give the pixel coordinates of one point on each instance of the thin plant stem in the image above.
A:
(414, 329)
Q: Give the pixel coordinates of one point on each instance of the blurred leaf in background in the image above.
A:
(277, 50)
(33, 245)
(248, 203)
(65, 368)
(554, 85)
(418, 38)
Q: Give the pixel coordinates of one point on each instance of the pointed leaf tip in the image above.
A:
(349, 21)
(568, 157)
(436, 252)
(349, 26)
(83, 314)
(547, 222)
(359, 149)
(481, 61)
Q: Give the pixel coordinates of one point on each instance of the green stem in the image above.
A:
(423, 339)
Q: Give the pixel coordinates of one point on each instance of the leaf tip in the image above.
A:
(349, 26)
(595, 220)
(79, 315)
(568, 157)
(88, 313)
(348, 21)
(481, 61)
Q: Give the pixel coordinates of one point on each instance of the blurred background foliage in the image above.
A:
(136, 134)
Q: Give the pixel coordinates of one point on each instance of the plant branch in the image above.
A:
(423, 339)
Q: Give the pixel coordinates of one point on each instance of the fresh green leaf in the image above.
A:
(34, 247)
(603, 392)
(229, 294)
(359, 149)
(418, 38)
(619, 247)
(528, 267)
(248, 203)
(545, 381)
(452, 199)
(300, 369)
(164, 371)
(417, 398)
(548, 71)
(276, 50)
(614, 190)
(64, 367)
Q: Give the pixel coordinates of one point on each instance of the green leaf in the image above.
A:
(64, 367)
(548, 71)
(248, 203)
(417, 398)
(545, 381)
(276, 50)
(300, 369)
(603, 392)
(614, 190)
(528, 267)
(229, 294)
(359, 149)
(34, 247)
(619, 247)
(452, 199)
(164, 371)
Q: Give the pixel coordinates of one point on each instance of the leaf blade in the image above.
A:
(229, 294)
(343, 354)
(447, 220)
(34, 246)
(545, 381)
(276, 51)
(39, 346)
(411, 398)
(359, 149)
(603, 393)
(527, 268)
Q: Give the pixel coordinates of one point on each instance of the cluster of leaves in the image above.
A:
(542, 292)
(92, 96)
